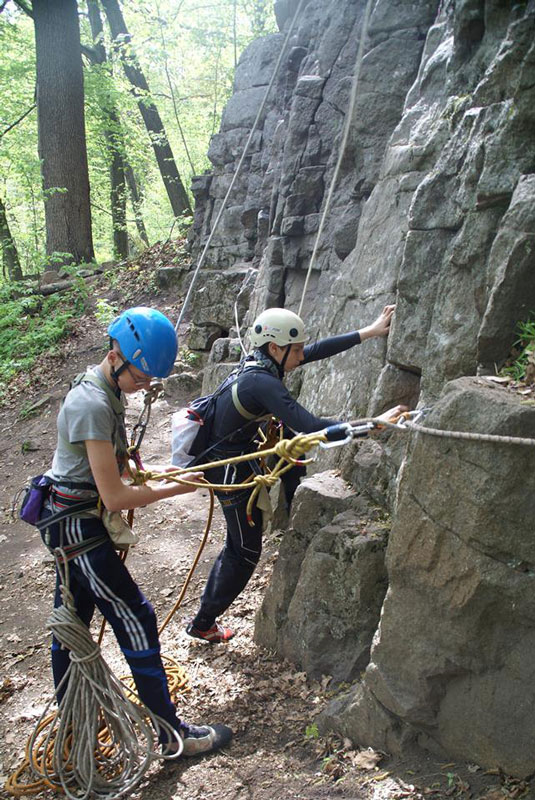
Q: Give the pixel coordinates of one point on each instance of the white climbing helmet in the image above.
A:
(277, 325)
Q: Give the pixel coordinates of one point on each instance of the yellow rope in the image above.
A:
(193, 566)
(289, 452)
(23, 780)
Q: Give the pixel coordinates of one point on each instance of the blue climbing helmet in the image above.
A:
(147, 340)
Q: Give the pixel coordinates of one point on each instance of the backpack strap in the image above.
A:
(237, 404)
(240, 408)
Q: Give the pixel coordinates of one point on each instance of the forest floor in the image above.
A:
(269, 703)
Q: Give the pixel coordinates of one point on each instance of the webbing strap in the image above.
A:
(236, 400)
(70, 511)
(237, 404)
(70, 551)
(96, 380)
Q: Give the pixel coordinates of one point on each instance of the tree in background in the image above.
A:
(61, 127)
(10, 256)
(176, 192)
(114, 140)
(185, 50)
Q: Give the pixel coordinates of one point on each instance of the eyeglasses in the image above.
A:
(138, 380)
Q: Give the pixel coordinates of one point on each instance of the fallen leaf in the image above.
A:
(366, 759)
(497, 379)
(380, 776)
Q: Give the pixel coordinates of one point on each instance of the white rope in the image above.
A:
(82, 763)
(240, 163)
(409, 425)
(475, 437)
(343, 145)
(244, 351)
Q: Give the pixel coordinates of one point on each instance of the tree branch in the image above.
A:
(89, 53)
(22, 4)
(13, 124)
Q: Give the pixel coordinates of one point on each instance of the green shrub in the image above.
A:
(31, 325)
(521, 365)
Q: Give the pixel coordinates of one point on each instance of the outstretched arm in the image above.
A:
(333, 345)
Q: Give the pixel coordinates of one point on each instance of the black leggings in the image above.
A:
(243, 544)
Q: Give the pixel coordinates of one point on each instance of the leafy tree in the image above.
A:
(186, 51)
(19, 163)
(114, 140)
(164, 155)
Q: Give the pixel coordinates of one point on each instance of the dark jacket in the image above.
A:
(262, 393)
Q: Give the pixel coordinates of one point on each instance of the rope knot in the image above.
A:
(268, 480)
(293, 449)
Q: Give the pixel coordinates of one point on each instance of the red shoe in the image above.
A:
(214, 635)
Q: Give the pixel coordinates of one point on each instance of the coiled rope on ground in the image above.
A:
(100, 741)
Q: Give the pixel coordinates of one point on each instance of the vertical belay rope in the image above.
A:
(240, 163)
(343, 144)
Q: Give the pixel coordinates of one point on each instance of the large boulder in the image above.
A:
(322, 607)
(452, 660)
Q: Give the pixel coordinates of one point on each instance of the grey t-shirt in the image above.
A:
(86, 413)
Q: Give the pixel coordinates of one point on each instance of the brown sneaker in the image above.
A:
(214, 635)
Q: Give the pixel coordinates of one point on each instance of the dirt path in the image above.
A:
(269, 704)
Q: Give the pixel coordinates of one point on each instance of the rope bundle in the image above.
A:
(289, 452)
(100, 741)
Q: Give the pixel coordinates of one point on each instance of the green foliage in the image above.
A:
(312, 732)
(105, 312)
(521, 365)
(188, 357)
(31, 325)
(20, 177)
(187, 51)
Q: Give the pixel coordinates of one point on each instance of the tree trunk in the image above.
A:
(160, 144)
(135, 196)
(114, 143)
(10, 256)
(62, 143)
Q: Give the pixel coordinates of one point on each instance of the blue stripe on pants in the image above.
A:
(99, 578)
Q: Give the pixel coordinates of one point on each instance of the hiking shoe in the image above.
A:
(214, 635)
(202, 739)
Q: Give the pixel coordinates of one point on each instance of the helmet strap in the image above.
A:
(116, 373)
(285, 356)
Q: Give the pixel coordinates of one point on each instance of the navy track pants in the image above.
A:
(99, 578)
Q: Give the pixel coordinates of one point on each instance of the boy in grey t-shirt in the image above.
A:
(90, 458)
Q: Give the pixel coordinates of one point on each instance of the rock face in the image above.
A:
(322, 607)
(452, 663)
(434, 209)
